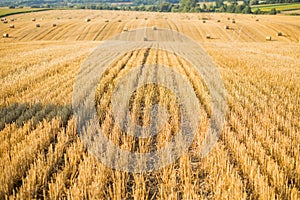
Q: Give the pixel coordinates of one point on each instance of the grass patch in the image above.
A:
(6, 11)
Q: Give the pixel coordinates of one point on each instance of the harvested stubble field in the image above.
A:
(256, 157)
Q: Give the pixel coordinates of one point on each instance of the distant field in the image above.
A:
(7, 11)
(278, 7)
(256, 157)
(291, 12)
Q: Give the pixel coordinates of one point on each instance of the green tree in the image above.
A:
(223, 8)
(175, 8)
(142, 8)
(253, 2)
(230, 8)
(239, 8)
(188, 4)
(247, 10)
(219, 3)
(257, 12)
(197, 9)
(165, 7)
(152, 8)
(273, 11)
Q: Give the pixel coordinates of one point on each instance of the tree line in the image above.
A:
(230, 6)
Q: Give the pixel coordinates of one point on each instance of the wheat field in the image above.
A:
(256, 157)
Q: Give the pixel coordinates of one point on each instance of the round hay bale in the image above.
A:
(233, 21)
(12, 26)
(37, 25)
(5, 35)
(203, 21)
(207, 36)
(228, 18)
(154, 28)
(87, 20)
(136, 18)
(33, 19)
(146, 18)
(125, 29)
(119, 20)
(106, 20)
(257, 20)
(5, 22)
(54, 25)
(3, 19)
(218, 20)
(279, 34)
(12, 19)
(226, 27)
(268, 38)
